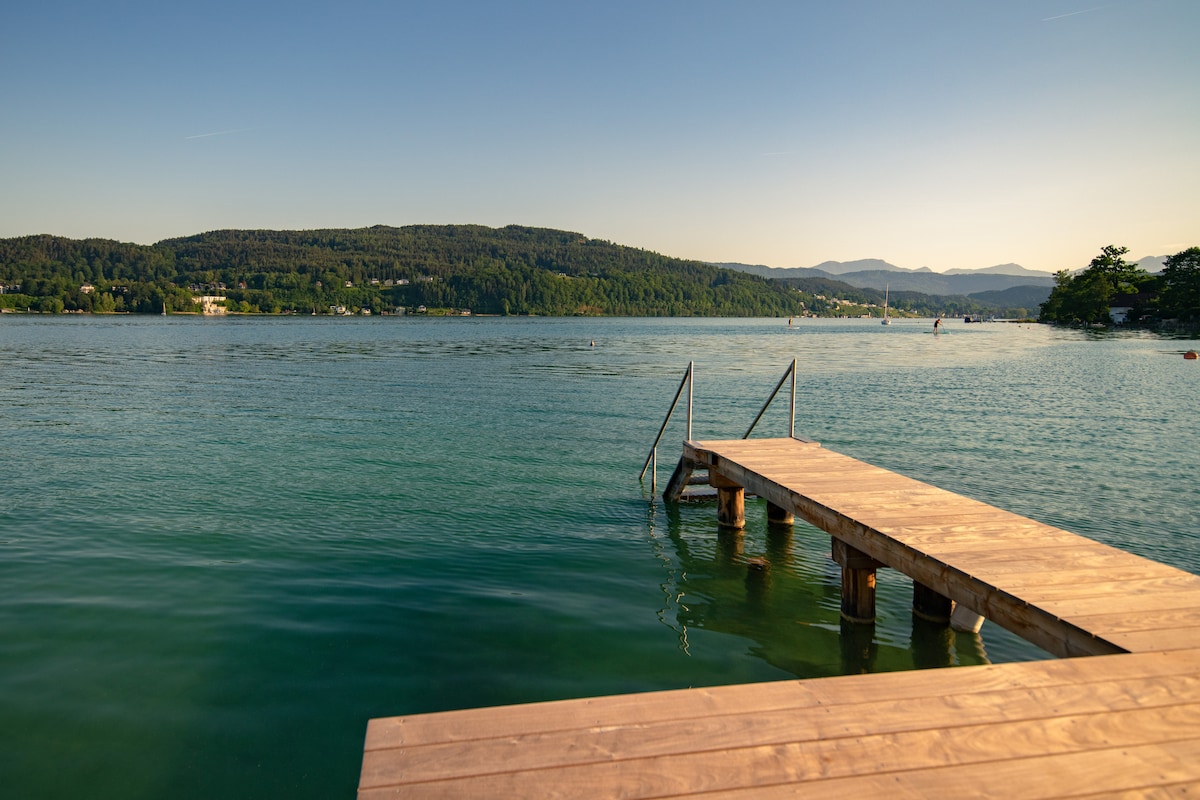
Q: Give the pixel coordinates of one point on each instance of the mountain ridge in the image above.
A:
(881, 275)
(876, 273)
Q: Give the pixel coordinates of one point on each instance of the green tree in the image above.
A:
(103, 303)
(1086, 298)
(1180, 297)
(1111, 266)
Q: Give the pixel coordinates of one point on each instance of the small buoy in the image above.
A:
(1190, 355)
(593, 342)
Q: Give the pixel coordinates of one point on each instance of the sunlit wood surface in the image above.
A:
(1065, 593)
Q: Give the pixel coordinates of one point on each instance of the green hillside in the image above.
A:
(441, 268)
(512, 270)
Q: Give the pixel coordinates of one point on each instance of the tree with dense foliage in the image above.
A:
(1085, 298)
(1180, 297)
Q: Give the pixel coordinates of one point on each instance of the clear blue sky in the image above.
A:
(949, 133)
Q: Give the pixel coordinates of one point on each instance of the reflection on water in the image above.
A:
(776, 586)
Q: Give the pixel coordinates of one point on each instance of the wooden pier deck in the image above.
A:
(1053, 588)
(1123, 722)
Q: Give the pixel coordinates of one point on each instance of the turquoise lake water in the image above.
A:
(225, 544)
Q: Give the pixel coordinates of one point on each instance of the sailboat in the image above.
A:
(886, 320)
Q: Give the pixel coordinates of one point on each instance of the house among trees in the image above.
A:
(210, 304)
(1125, 305)
(1112, 290)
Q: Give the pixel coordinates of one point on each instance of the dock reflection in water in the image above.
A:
(776, 586)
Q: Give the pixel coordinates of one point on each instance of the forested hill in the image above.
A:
(445, 268)
(511, 270)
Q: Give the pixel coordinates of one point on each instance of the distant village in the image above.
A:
(211, 300)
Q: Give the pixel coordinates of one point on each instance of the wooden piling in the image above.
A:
(930, 605)
(731, 501)
(858, 582)
(777, 515)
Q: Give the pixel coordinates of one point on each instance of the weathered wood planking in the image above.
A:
(1044, 729)
(1034, 579)
(1125, 724)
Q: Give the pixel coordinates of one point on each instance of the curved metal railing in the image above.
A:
(689, 379)
(792, 412)
(689, 382)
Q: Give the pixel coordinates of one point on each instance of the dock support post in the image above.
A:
(731, 501)
(965, 620)
(931, 606)
(679, 480)
(858, 582)
(776, 515)
(731, 507)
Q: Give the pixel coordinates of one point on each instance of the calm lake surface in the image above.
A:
(225, 544)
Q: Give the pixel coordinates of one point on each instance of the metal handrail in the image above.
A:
(792, 416)
(688, 381)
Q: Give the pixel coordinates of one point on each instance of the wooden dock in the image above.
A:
(1123, 722)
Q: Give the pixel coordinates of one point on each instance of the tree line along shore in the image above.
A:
(513, 270)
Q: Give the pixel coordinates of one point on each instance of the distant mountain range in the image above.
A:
(874, 273)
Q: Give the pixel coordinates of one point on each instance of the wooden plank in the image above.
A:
(871, 496)
(626, 744)
(815, 471)
(759, 445)
(1118, 621)
(1164, 639)
(969, 542)
(1063, 588)
(1130, 769)
(1005, 556)
(1026, 560)
(998, 677)
(760, 697)
(686, 769)
(1157, 698)
(1086, 579)
(571, 714)
(936, 523)
(1144, 604)
(815, 464)
(948, 509)
(1156, 792)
